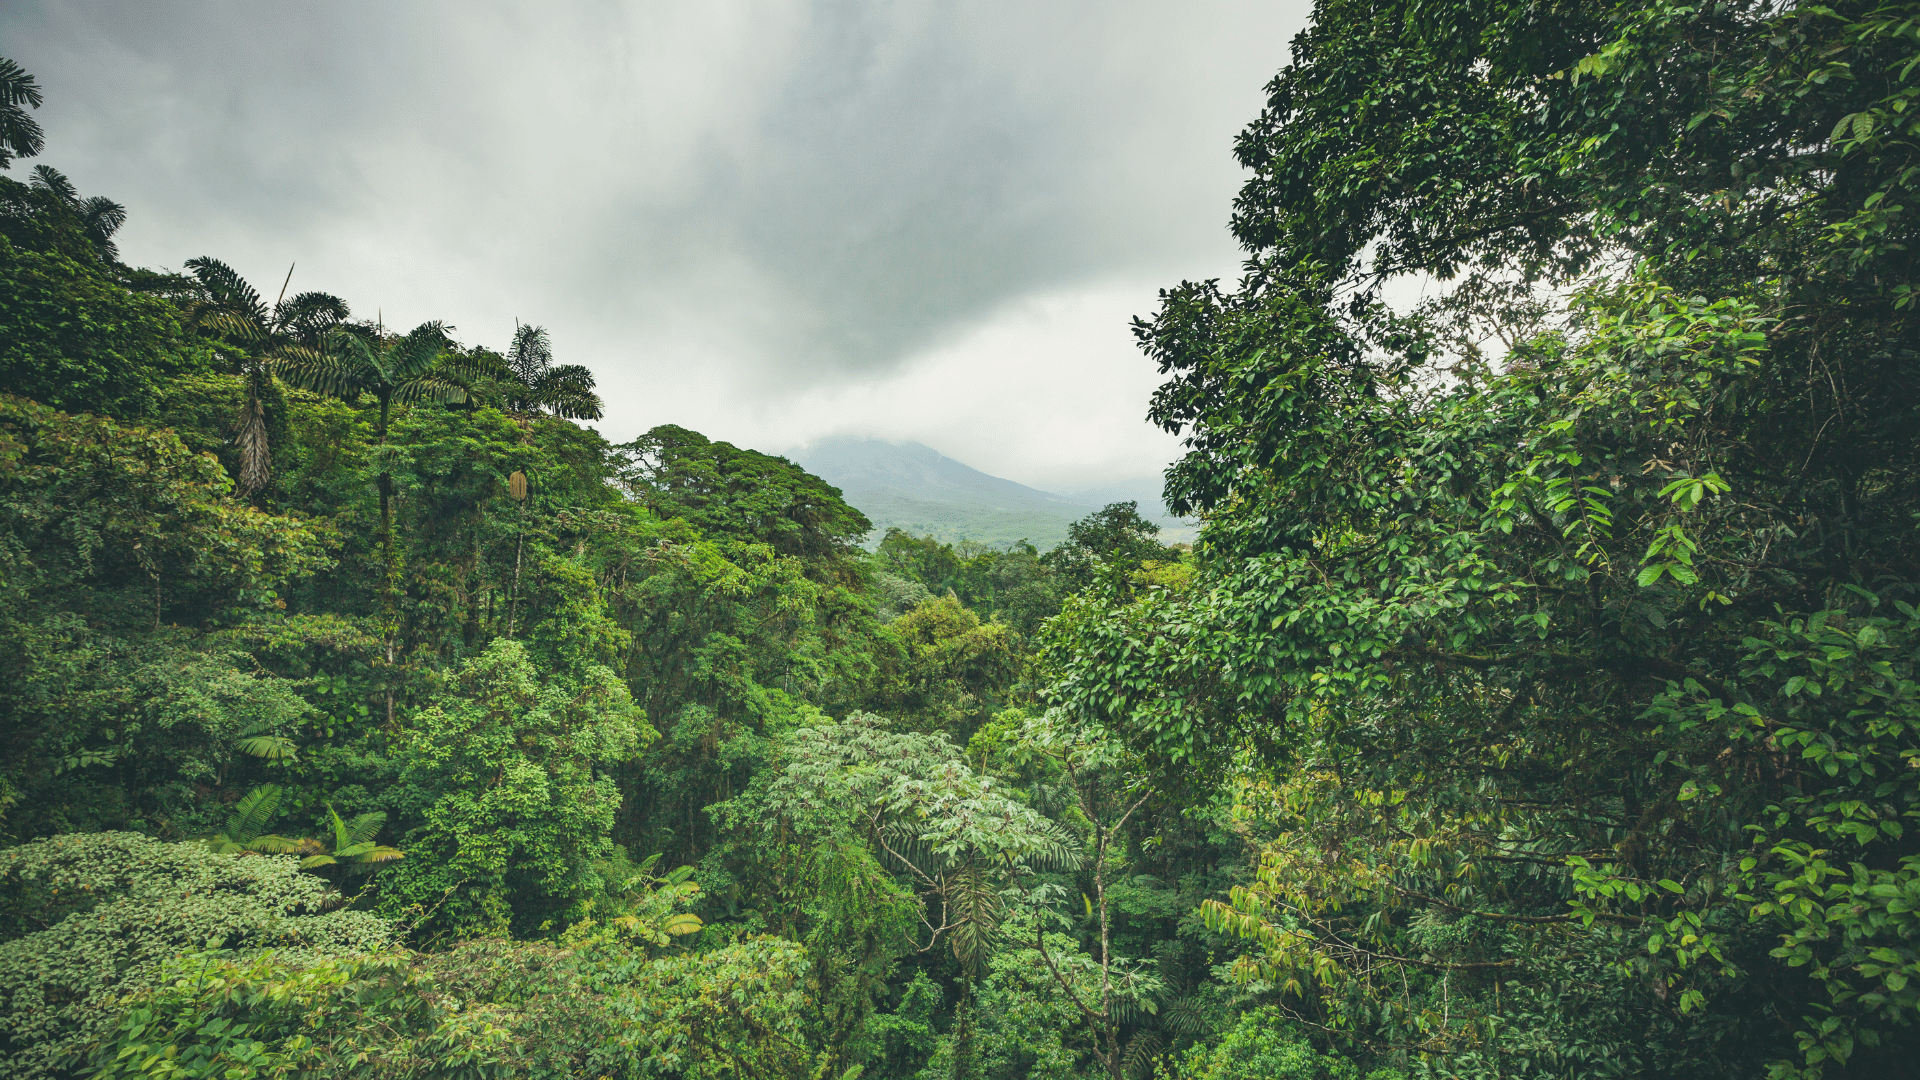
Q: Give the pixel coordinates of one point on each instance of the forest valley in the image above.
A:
(1539, 699)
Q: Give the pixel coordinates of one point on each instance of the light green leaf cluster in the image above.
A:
(504, 771)
(117, 906)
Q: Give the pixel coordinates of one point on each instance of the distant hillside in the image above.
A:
(1144, 490)
(917, 489)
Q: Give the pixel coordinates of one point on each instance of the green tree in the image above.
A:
(536, 386)
(93, 916)
(868, 805)
(952, 670)
(483, 1008)
(20, 134)
(1512, 642)
(504, 794)
(120, 546)
(730, 493)
(99, 216)
(1258, 1049)
(1106, 545)
(419, 367)
(71, 336)
(257, 341)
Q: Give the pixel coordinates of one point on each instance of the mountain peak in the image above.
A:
(913, 487)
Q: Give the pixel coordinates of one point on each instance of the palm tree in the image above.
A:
(348, 842)
(536, 385)
(257, 340)
(20, 136)
(246, 830)
(100, 217)
(420, 367)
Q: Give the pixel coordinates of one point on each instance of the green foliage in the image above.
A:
(1502, 596)
(348, 843)
(90, 916)
(501, 773)
(480, 1010)
(1107, 545)
(73, 338)
(735, 494)
(952, 671)
(117, 519)
(111, 535)
(948, 832)
(246, 830)
(533, 385)
(1015, 585)
(20, 135)
(1258, 1048)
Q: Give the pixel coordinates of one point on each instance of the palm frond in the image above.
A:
(530, 355)
(465, 367)
(17, 88)
(381, 853)
(338, 370)
(20, 136)
(1141, 1050)
(418, 352)
(254, 812)
(430, 388)
(273, 845)
(256, 461)
(103, 216)
(682, 924)
(341, 841)
(309, 316)
(232, 324)
(1183, 1015)
(973, 905)
(225, 292)
(271, 747)
(567, 391)
(365, 827)
(49, 179)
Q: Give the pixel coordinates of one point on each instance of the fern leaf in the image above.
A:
(252, 813)
(271, 747)
(364, 828)
(1141, 1050)
(682, 924)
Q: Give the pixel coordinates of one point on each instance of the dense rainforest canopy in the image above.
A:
(1539, 699)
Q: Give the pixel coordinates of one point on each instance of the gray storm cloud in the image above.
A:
(724, 209)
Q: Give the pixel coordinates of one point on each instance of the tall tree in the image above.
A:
(20, 135)
(536, 385)
(421, 366)
(1582, 683)
(100, 217)
(257, 340)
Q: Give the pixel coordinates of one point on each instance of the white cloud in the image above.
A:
(1048, 391)
(783, 215)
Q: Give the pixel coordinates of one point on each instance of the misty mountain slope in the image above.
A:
(915, 488)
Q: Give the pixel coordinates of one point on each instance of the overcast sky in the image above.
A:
(768, 221)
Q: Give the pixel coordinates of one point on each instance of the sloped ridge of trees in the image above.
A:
(1539, 699)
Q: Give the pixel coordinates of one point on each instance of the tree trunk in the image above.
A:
(513, 595)
(250, 436)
